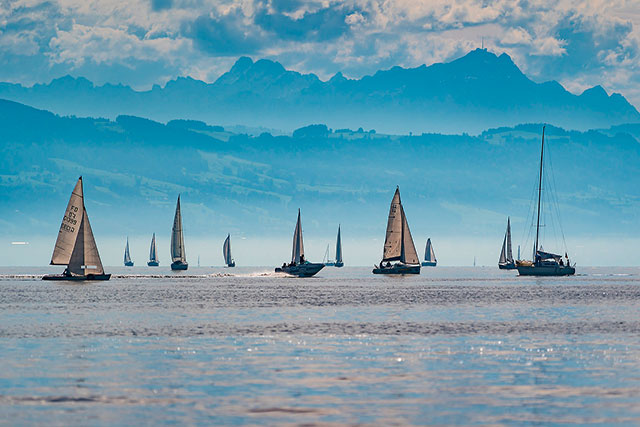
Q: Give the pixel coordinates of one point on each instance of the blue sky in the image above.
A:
(146, 42)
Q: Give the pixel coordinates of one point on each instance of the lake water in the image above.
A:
(246, 346)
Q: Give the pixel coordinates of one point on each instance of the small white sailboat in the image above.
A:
(328, 262)
(339, 262)
(429, 255)
(506, 261)
(398, 243)
(178, 254)
(153, 253)
(127, 257)
(299, 266)
(226, 252)
(76, 247)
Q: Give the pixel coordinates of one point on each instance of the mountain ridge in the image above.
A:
(469, 94)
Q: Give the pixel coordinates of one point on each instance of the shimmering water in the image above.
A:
(245, 346)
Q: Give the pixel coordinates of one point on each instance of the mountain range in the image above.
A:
(478, 91)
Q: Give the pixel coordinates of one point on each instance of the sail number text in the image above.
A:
(69, 221)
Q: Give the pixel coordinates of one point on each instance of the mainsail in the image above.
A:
(153, 255)
(506, 256)
(429, 255)
(298, 246)
(398, 243)
(339, 248)
(177, 240)
(226, 250)
(127, 256)
(70, 227)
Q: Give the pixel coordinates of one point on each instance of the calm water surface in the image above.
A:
(245, 346)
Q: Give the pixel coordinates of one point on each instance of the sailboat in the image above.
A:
(544, 263)
(127, 256)
(178, 255)
(429, 256)
(328, 262)
(153, 253)
(299, 266)
(226, 252)
(76, 247)
(506, 261)
(398, 243)
(339, 262)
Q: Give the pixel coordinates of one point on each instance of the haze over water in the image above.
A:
(246, 346)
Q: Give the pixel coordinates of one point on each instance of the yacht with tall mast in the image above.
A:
(153, 253)
(506, 261)
(544, 263)
(76, 247)
(127, 256)
(178, 254)
(429, 255)
(226, 252)
(299, 266)
(398, 243)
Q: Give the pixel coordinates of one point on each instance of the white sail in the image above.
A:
(226, 250)
(177, 240)
(85, 258)
(429, 254)
(153, 256)
(506, 255)
(393, 238)
(127, 256)
(70, 227)
(409, 253)
(339, 248)
(298, 245)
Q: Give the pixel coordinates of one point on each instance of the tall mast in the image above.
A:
(535, 250)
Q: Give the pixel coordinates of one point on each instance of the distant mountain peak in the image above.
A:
(242, 64)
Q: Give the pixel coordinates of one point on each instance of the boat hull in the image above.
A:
(153, 263)
(398, 269)
(179, 265)
(304, 270)
(507, 266)
(233, 264)
(128, 264)
(546, 270)
(88, 277)
(329, 264)
(429, 263)
(339, 264)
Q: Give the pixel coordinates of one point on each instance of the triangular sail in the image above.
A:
(393, 238)
(503, 252)
(153, 255)
(339, 247)
(85, 258)
(127, 256)
(298, 245)
(226, 250)
(509, 252)
(177, 240)
(409, 253)
(429, 254)
(70, 227)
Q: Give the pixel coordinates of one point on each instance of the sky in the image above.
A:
(145, 42)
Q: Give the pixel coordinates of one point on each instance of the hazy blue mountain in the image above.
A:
(475, 92)
(452, 185)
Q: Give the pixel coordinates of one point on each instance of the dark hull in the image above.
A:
(545, 270)
(398, 269)
(428, 264)
(233, 264)
(77, 278)
(179, 265)
(339, 264)
(128, 264)
(507, 266)
(304, 270)
(153, 263)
